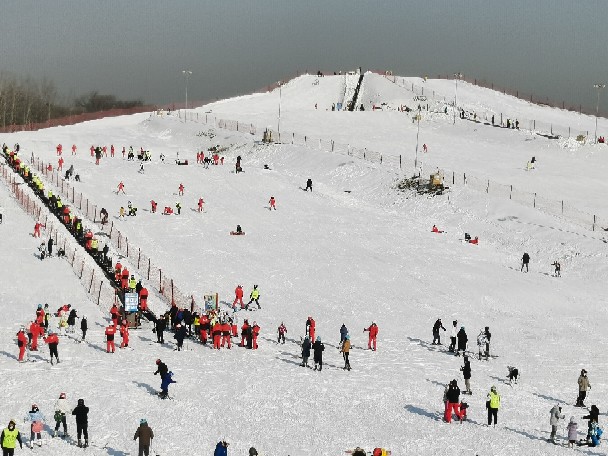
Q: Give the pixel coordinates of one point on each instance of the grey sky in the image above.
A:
(137, 48)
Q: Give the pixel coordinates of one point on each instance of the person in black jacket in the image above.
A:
(318, 348)
(72, 320)
(180, 334)
(305, 352)
(593, 417)
(82, 422)
(159, 327)
(309, 185)
(466, 373)
(436, 327)
(8, 439)
(524, 261)
(453, 398)
(49, 248)
(462, 341)
(161, 368)
(83, 326)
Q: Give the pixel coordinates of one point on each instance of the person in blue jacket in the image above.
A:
(343, 333)
(37, 419)
(164, 386)
(221, 449)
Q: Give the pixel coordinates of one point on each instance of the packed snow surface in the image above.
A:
(353, 251)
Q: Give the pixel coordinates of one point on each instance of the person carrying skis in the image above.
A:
(61, 409)
(373, 334)
(310, 328)
(345, 350)
(37, 419)
(462, 341)
(145, 435)
(110, 332)
(21, 343)
(53, 341)
(254, 296)
(436, 327)
(9, 438)
(282, 330)
(556, 415)
(466, 374)
(81, 412)
(583, 385)
(238, 293)
(305, 351)
(318, 348)
(525, 260)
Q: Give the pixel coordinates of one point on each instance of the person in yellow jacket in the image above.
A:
(345, 349)
(493, 404)
(254, 296)
(132, 284)
(9, 438)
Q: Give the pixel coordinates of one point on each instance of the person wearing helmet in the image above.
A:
(161, 368)
(9, 438)
(373, 334)
(53, 341)
(61, 409)
(317, 349)
(145, 435)
(37, 419)
(81, 412)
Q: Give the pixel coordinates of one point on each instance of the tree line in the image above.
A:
(27, 101)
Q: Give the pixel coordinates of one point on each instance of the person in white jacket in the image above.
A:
(453, 333)
(556, 415)
(61, 409)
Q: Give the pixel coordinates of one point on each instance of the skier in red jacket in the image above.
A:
(53, 341)
(114, 314)
(124, 332)
(21, 343)
(181, 190)
(36, 331)
(310, 328)
(153, 204)
(37, 227)
(244, 329)
(238, 292)
(225, 329)
(201, 201)
(74, 149)
(373, 333)
(256, 333)
(216, 333)
(143, 299)
(110, 331)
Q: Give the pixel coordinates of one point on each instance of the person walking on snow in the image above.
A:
(145, 435)
(37, 419)
(345, 350)
(53, 341)
(493, 404)
(81, 412)
(254, 296)
(124, 333)
(309, 185)
(22, 343)
(61, 410)
(373, 334)
(525, 260)
(272, 203)
(153, 204)
(121, 188)
(318, 349)
(36, 331)
(572, 432)
(453, 399)
(343, 333)
(583, 385)
(201, 201)
(466, 374)
(593, 417)
(453, 334)
(238, 293)
(181, 190)
(436, 327)
(305, 351)
(282, 330)
(556, 415)
(84, 327)
(37, 227)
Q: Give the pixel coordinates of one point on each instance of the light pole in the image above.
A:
(457, 76)
(599, 88)
(417, 136)
(280, 98)
(187, 74)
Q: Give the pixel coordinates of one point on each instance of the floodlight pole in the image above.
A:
(457, 76)
(599, 88)
(187, 74)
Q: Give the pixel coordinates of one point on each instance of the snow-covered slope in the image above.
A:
(352, 251)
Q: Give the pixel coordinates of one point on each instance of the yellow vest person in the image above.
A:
(10, 436)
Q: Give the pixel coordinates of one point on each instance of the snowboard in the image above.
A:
(234, 233)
